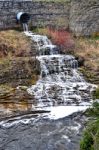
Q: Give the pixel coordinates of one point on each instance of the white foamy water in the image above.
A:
(17, 120)
(60, 81)
(56, 112)
(25, 27)
(44, 45)
(64, 111)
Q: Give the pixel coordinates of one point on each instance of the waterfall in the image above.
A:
(60, 92)
(44, 45)
(61, 88)
(60, 81)
(25, 27)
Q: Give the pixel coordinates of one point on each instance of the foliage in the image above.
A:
(59, 37)
(87, 142)
(94, 111)
(95, 36)
(90, 139)
(96, 94)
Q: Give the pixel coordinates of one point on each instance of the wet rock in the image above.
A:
(43, 134)
(80, 60)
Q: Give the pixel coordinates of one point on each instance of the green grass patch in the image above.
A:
(90, 139)
(96, 94)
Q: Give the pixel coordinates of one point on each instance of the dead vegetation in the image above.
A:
(14, 43)
(88, 48)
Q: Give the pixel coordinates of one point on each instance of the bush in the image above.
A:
(87, 141)
(59, 37)
(96, 94)
(90, 139)
(62, 38)
(94, 112)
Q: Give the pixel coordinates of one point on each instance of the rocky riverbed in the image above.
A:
(41, 133)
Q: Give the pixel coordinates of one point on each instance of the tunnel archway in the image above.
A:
(23, 17)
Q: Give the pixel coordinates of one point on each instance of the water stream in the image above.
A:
(25, 27)
(60, 83)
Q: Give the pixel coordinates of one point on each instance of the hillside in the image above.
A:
(17, 58)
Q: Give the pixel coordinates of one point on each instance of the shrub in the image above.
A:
(87, 141)
(62, 38)
(90, 139)
(96, 94)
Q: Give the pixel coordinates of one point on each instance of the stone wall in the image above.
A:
(42, 13)
(84, 17)
(81, 16)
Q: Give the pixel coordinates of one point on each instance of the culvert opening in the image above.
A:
(23, 19)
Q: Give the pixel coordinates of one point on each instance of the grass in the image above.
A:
(88, 48)
(13, 43)
(90, 140)
(96, 94)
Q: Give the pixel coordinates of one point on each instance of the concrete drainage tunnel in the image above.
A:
(23, 18)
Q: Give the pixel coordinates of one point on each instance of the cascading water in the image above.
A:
(62, 90)
(44, 45)
(25, 27)
(60, 82)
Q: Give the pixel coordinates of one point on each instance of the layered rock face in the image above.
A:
(84, 17)
(80, 16)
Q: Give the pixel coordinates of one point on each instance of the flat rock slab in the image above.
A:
(43, 134)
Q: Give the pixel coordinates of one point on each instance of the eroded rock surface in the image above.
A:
(43, 134)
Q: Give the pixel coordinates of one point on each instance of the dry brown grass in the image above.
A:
(88, 48)
(13, 43)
